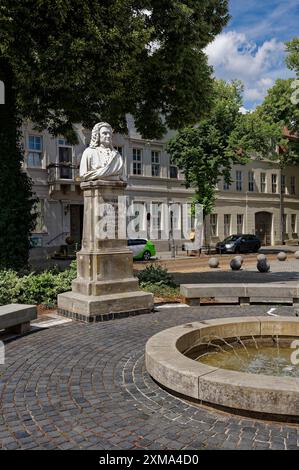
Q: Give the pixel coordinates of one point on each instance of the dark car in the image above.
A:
(239, 244)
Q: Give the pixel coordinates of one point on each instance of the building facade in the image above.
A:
(53, 165)
(256, 202)
(262, 200)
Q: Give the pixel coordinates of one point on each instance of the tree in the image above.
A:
(200, 151)
(279, 107)
(72, 61)
(270, 133)
(293, 55)
(17, 219)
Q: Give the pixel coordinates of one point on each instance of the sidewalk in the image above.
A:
(163, 255)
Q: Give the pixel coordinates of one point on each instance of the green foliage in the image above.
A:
(155, 274)
(263, 133)
(17, 218)
(166, 292)
(200, 151)
(293, 57)
(8, 287)
(34, 288)
(278, 106)
(80, 60)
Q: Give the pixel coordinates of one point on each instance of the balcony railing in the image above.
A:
(63, 171)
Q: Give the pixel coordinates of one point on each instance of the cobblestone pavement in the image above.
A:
(84, 386)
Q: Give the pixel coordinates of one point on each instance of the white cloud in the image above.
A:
(243, 110)
(234, 56)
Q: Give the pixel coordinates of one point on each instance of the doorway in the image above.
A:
(263, 227)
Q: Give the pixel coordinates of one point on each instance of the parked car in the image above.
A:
(141, 248)
(239, 244)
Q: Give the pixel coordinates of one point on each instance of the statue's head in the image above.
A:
(101, 134)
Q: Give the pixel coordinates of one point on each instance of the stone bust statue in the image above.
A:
(100, 161)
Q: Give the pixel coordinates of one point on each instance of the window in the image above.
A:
(274, 183)
(294, 223)
(137, 162)
(283, 184)
(226, 186)
(293, 184)
(155, 163)
(263, 182)
(213, 225)
(239, 180)
(240, 222)
(156, 216)
(173, 171)
(139, 210)
(175, 216)
(34, 157)
(250, 181)
(227, 225)
(65, 156)
(40, 220)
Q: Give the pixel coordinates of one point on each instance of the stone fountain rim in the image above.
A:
(167, 364)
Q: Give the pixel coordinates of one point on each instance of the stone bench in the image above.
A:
(245, 293)
(15, 318)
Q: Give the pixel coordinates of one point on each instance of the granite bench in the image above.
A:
(246, 293)
(15, 318)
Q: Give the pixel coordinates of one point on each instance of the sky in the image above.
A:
(251, 47)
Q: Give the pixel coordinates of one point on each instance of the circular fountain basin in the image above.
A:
(168, 363)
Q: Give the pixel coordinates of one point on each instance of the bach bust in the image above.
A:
(100, 161)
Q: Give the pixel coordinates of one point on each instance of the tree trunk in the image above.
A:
(281, 210)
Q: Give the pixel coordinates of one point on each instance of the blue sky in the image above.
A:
(251, 48)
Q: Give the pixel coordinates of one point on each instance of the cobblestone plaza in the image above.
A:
(80, 386)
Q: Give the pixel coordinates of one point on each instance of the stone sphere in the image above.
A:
(213, 262)
(297, 254)
(261, 256)
(282, 256)
(235, 264)
(263, 265)
(239, 258)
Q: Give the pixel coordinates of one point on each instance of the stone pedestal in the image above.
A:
(105, 287)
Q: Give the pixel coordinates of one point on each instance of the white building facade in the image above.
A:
(252, 204)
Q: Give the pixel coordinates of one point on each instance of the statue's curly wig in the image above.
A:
(95, 134)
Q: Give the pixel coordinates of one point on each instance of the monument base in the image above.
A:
(90, 308)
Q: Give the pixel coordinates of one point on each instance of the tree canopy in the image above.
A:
(270, 131)
(81, 61)
(293, 55)
(200, 151)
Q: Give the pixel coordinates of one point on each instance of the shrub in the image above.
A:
(41, 288)
(38, 288)
(8, 287)
(163, 291)
(156, 274)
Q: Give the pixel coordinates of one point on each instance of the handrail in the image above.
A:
(57, 236)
